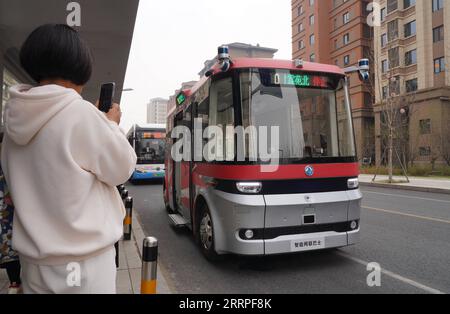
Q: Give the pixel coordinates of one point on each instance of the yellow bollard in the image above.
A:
(149, 265)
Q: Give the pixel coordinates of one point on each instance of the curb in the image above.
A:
(138, 236)
(405, 187)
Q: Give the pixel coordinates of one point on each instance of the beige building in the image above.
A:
(157, 111)
(412, 84)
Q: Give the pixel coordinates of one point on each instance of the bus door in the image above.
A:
(182, 172)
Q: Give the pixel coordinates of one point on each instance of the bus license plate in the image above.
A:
(307, 244)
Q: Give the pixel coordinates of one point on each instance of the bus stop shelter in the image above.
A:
(106, 25)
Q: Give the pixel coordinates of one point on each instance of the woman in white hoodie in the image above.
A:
(62, 159)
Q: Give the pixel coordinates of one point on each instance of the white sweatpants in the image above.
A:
(96, 275)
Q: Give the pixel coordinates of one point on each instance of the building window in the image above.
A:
(312, 39)
(383, 14)
(410, 29)
(392, 5)
(411, 85)
(438, 34)
(438, 5)
(392, 30)
(384, 66)
(425, 151)
(384, 40)
(300, 27)
(411, 57)
(425, 126)
(346, 60)
(346, 39)
(394, 86)
(301, 44)
(408, 3)
(311, 3)
(300, 10)
(384, 92)
(312, 57)
(393, 55)
(439, 65)
(311, 20)
(346, 17)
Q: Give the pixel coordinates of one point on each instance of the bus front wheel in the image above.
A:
(205, 234)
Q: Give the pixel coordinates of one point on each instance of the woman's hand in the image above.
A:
(114, 114)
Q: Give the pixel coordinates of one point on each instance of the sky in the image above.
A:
(173, 38)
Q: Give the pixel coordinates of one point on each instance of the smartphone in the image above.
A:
(106, 96)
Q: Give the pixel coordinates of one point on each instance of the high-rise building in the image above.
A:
(157, 111)
(336, 32)
(412, 49)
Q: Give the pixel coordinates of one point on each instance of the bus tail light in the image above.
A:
(353, 183)
(249, 187)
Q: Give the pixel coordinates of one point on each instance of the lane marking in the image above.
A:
(393, 275)
(407, 215)
(406, 196)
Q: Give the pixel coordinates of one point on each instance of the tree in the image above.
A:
(395, 106)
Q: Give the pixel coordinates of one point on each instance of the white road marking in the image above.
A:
(393, 275)
(406, 196)
(407, 215)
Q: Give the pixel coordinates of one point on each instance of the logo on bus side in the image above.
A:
(309, 171)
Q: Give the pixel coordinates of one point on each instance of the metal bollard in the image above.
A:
(149, 265)
(124, 194)
(120, 188)
(116, 246)
(127, 222)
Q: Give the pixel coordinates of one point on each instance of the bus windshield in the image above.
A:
(310, 110)
(150, 150)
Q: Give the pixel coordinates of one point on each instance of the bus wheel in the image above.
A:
(205, 234)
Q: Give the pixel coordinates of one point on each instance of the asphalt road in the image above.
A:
(406, 233)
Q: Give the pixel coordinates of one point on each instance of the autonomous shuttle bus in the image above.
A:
(305, 198)
(149, 142)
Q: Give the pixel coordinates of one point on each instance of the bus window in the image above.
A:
(221, 113)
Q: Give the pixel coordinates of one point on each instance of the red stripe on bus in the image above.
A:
(284, 172)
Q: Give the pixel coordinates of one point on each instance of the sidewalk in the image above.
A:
(437, 185)
(129, 271)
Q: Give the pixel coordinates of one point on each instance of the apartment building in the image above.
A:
(157, 111)
(336, 32)
(412, 49)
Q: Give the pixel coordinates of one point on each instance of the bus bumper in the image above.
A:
(232, 214)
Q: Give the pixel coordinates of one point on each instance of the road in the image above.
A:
(406, 233)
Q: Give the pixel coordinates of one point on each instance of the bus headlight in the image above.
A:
(249, 187)
(353, 183)
(249, 234)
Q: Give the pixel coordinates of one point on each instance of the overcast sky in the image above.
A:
(173, 38)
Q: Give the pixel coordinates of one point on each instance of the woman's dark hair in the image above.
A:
(56, 51)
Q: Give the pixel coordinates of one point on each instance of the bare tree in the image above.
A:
(395, 106)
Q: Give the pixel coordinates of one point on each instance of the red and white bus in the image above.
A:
(310, 202)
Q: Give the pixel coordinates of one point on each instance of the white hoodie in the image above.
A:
(62, 159)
